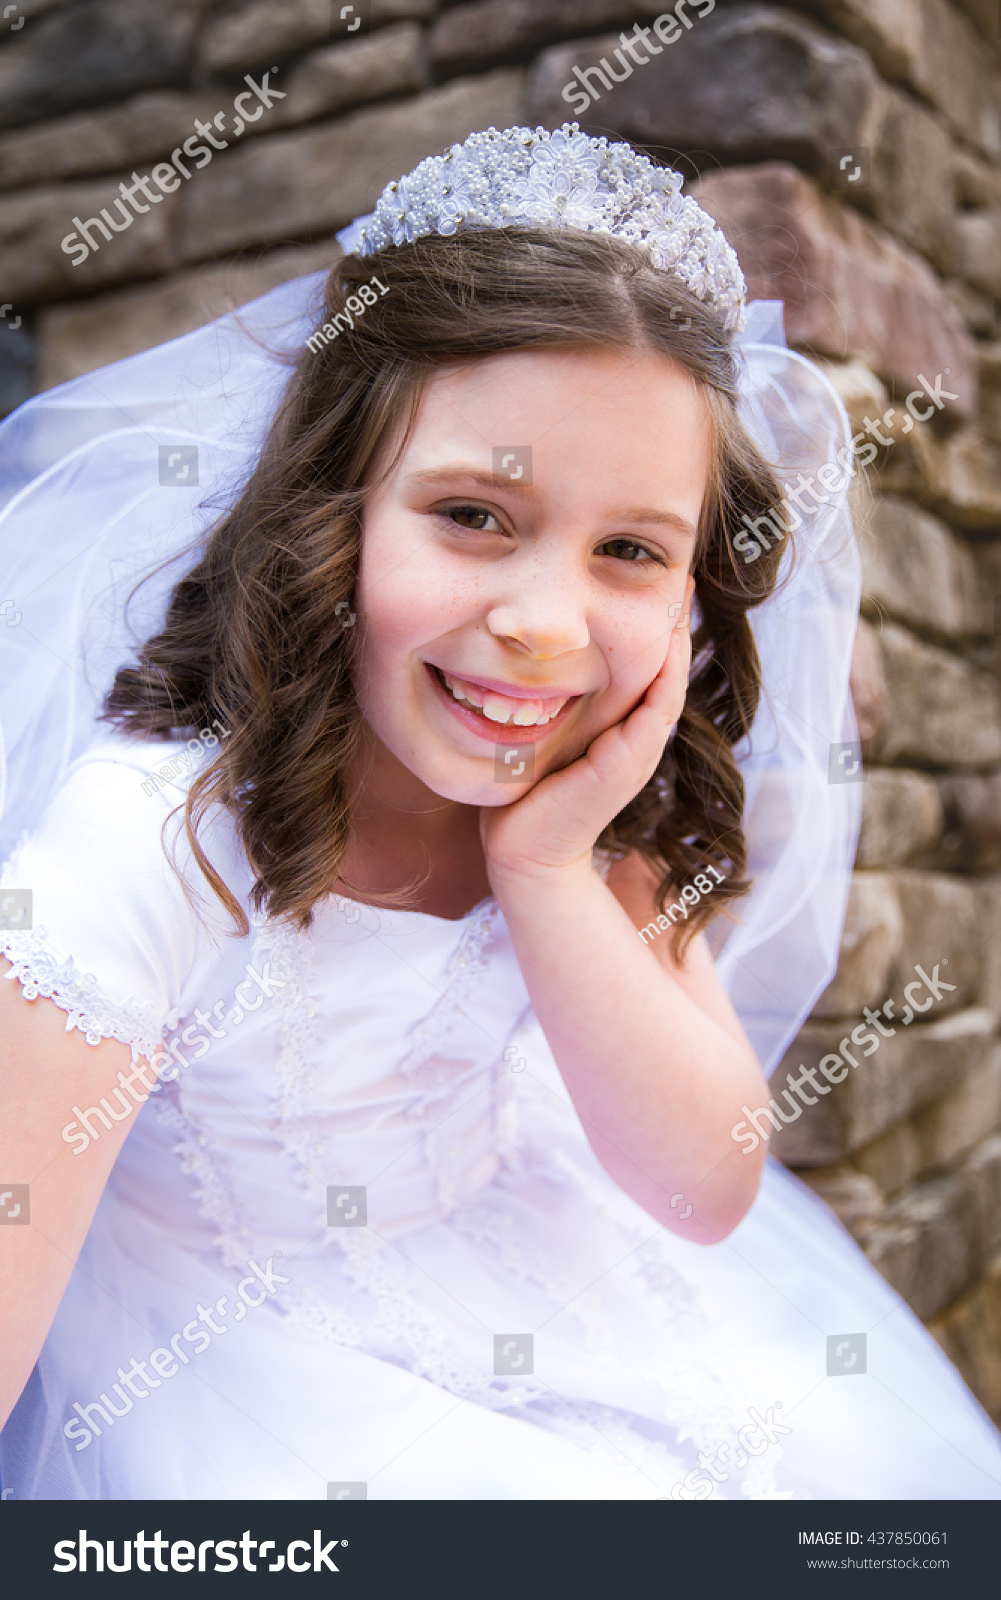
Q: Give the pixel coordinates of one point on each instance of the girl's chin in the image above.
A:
(468, 783)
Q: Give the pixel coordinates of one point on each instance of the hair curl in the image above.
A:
(253, 634)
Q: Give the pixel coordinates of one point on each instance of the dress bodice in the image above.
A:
(367, 1053)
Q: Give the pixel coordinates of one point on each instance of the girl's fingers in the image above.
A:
(645, 731)
(569, 808)
(666, 694)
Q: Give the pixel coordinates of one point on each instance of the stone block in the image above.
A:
(939, 1133)
(926, 1245)
(80, 337)
(860, 391)
(970, 1334)
(149, 126)
(37, 8)
(971, 840)
(959, 476)
(936, 1239)
(933, 48)
(981, 1171)
(870, 695)
(304, 184)
(955, 1124)
(888, 30)
(18, 362)
(984, 13)
(106, 139)
(758, 83)
(990, 390)
(943, 712)
(895, 921)
(271, 30)
(92, 52)
(747, 83)
(975, 248)
(941, 928)
(975, 308)
(902, 817)
(965, 479)
(911, 187)
(468, 36)
(33, 222)
(893, 1158)
(954, 73)
(911, 1067)
(917, 571)
(855, 1198)
(380, 64)
(871, 942)
(987, 556)
(849, 289)
(989, 907)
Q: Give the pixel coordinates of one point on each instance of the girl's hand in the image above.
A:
(555, 825)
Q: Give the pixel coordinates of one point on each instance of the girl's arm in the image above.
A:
(651, 1052)
(44, 1073)
(653, 1057)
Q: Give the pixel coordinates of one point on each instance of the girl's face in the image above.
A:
(524, 566)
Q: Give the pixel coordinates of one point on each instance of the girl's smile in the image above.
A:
(546, 605)
(486, 706)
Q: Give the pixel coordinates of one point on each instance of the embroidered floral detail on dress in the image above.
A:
(465, 966)
(214, 1193)
(603, 1430)
(288, 949)
(411, 1331)
(406, 1331)
(40, 972)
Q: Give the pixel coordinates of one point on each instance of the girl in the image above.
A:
(387, 879)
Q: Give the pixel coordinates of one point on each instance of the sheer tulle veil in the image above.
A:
(94, 496)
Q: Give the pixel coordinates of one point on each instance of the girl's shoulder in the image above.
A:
(106, 910)
(164, 766)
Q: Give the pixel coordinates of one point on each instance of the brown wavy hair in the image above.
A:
(254, 635)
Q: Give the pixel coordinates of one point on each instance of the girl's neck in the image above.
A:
(409, 847)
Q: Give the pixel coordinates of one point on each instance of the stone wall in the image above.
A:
(851, 149)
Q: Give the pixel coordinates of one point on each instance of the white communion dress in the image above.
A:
(359, 1244)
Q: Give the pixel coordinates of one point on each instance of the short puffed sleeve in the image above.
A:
(92, 913)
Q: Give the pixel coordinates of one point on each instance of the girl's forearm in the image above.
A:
(656, 1082)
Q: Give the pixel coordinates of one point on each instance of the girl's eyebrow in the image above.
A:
(490, 480)
(667, 519)
(485, 480)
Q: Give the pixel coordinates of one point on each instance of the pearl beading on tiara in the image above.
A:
(565, 179)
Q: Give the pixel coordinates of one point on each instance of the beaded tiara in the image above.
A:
(565, 179)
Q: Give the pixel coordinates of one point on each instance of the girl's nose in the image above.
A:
(543, 618)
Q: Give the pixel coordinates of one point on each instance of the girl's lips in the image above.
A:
(511, 691)
(496, 732)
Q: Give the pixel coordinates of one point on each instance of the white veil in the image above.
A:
(84, 515)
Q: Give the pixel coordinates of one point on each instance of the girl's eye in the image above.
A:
(628, 550)
(476, 518)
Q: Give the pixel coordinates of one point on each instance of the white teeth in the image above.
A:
(466, 693)
(498, 708)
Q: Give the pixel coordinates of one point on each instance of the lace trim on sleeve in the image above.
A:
(40, 972)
